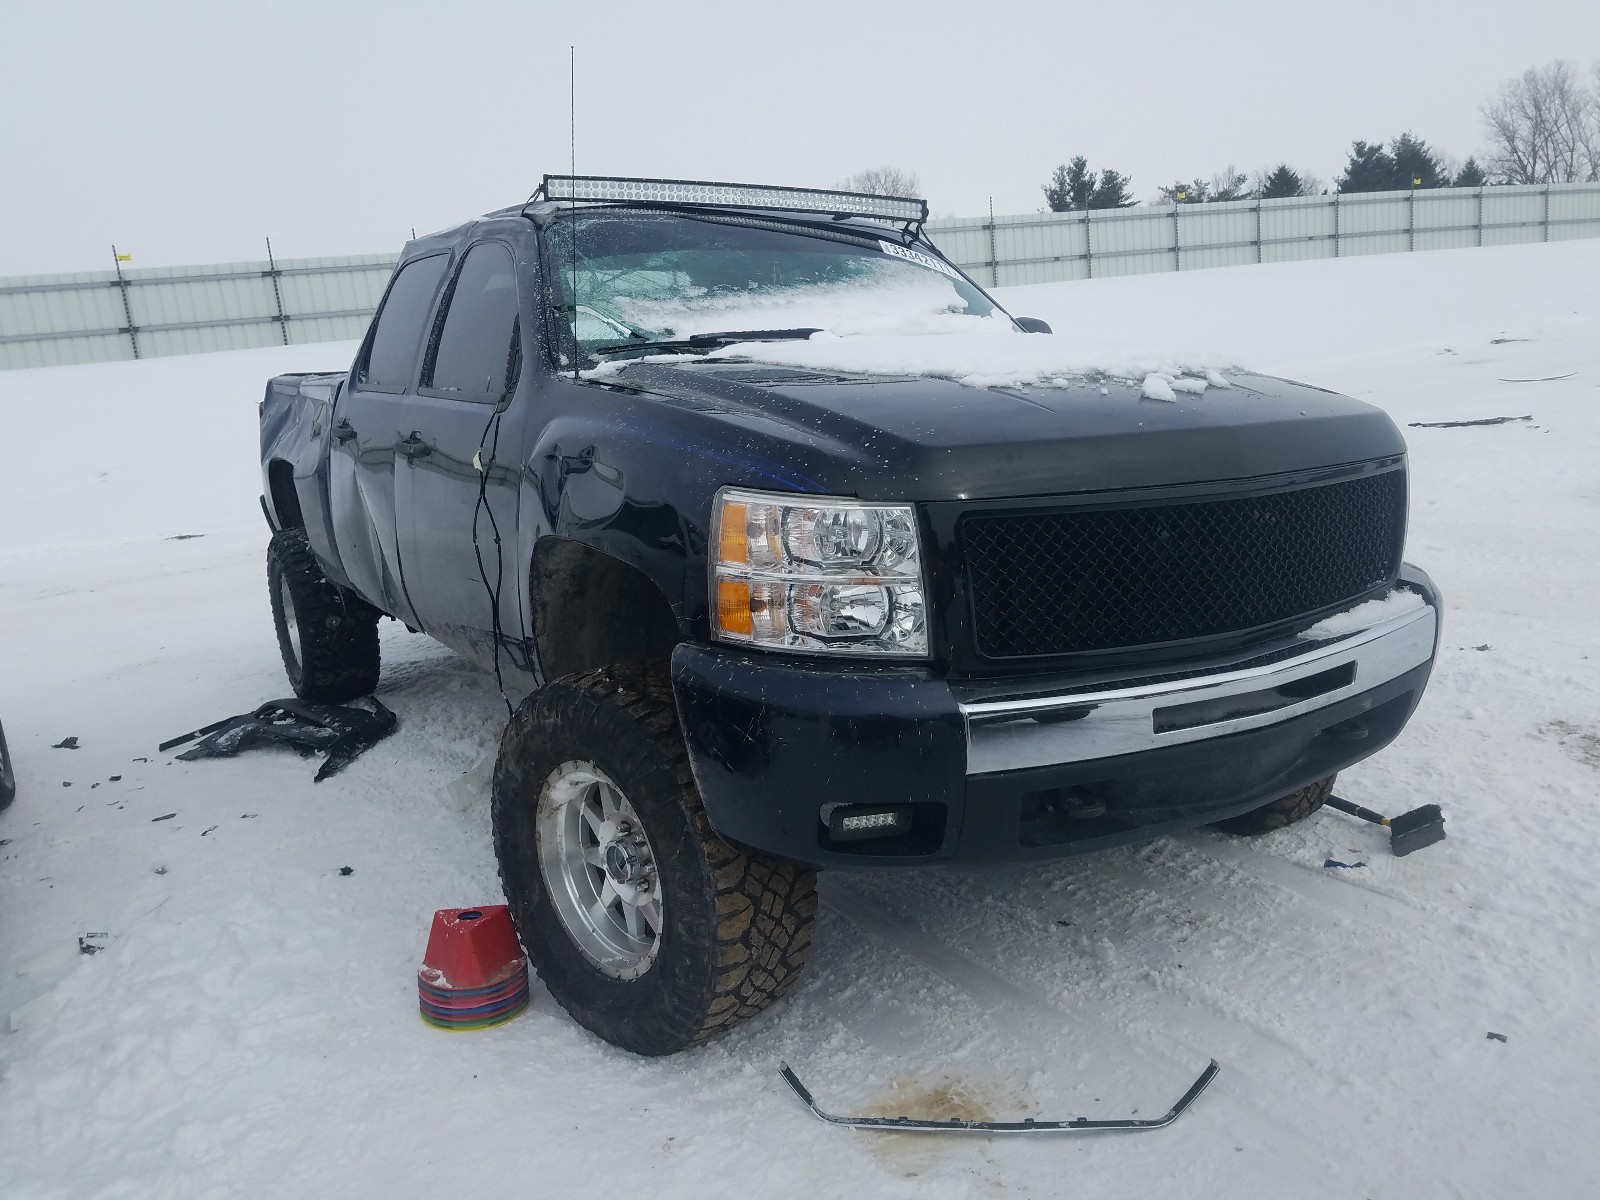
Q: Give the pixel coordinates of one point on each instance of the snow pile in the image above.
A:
(1397, 603)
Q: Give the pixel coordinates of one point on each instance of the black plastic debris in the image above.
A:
(1497, 1037)
(66, 743)
(347, 870)
(92, 943)
(164, 817)
(1329, 863)
(340, 731)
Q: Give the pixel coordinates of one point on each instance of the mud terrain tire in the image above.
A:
(1286, 810)
(734, 928)
(328, 638)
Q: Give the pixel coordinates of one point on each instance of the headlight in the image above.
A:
(823, 575)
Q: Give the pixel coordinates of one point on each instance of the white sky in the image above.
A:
(184, 132)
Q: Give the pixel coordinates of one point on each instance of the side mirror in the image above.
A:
(1032, 325)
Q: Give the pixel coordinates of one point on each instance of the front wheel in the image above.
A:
(1286, 810)
(649, 929)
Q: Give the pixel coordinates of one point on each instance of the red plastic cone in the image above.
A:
(473, 974)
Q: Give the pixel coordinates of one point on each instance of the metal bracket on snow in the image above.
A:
(1078, 1125)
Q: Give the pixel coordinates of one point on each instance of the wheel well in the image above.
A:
(592, 610)
(285, 500)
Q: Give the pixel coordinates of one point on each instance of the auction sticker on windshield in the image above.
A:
(922, 260)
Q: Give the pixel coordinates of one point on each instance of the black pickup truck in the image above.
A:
(763, 619)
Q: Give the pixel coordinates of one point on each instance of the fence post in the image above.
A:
(1480, 214)
(1177, 249)
(127, 309)
(994, 254)
(1546, 221)
(1337, 250)
(1088, 245)
(277, 294)
(1411, 220)
(1258, 229)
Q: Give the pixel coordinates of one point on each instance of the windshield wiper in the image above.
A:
(708, 341)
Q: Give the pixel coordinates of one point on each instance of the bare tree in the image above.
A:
(883, 181)
(1230, 183)
(1544, 127)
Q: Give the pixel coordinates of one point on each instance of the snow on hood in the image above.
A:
(994, 355)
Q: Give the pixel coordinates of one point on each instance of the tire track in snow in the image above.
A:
(1266, 1074)
(1024, 1013)
(1346, 894)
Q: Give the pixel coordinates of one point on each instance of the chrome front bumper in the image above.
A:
(1081, 726)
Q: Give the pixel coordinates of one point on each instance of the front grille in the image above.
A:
(1067, 582)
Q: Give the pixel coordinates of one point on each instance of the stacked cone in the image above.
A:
(473, 975)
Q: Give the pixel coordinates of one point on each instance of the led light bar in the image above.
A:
(621, 190)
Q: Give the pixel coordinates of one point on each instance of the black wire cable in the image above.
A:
(483, 505)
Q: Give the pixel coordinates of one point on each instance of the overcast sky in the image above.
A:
(185, 132)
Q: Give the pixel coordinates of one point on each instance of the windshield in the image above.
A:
(629, 279)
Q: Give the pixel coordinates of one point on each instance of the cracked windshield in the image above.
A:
(643, 279)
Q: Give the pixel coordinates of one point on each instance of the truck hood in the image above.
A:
(915, 438)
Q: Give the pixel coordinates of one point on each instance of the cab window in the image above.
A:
(392, 350)
(478, 348)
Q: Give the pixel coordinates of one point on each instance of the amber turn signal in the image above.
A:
(733, 540)
(733, 606)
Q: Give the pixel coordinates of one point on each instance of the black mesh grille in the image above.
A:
(1064, 582)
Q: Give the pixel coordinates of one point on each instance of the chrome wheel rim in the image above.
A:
(291, 623)
(599, 869)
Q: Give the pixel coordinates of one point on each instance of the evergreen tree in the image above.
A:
(1112, 191)
(1370, 169)
(1415, 164)
(1282, 181)
(1073, 187)
(1197, 192)
(1470, 175)
(1070, 187)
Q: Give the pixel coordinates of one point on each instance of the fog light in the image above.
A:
(850, 823)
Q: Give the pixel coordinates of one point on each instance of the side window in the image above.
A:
(479, 347)
(399, 327)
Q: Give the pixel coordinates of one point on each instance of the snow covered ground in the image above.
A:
(250, 1028)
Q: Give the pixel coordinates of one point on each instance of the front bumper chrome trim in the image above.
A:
(1038, 731)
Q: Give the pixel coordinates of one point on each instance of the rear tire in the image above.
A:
(1284, 811)
(715, 934)
(328, 637)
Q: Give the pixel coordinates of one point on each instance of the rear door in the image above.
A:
(458, 490)
(367, 429)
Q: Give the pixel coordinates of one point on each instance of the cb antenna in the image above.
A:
(572, 222)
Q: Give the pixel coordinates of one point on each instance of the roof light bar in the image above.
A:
(621, 190)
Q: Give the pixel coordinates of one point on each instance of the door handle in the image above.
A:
(344, 431)
(413, 447)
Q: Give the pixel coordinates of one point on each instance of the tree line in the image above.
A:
(1541, 127)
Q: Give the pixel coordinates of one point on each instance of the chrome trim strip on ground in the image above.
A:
(1077, 1125)
(1038, 731)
